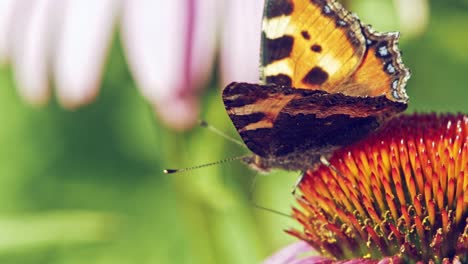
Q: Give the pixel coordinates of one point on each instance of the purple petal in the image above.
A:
(312, 260)
(391, 260)
(358, 261)
(240, 50)
(323, 260)
(86, 28)
(290, 253)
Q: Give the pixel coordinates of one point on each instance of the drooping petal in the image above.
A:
(240, 50)
(202, 40)
(82, 44)
(170, 47)
(6, 12)
(290, 253)
(153, 36)
(30, 48)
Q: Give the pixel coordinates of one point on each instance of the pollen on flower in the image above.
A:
(401, 192)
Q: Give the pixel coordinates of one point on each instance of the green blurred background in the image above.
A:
(86, 186)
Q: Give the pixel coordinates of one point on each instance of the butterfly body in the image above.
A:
(327, 81)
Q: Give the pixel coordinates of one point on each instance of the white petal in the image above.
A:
(83, 42)
(170, 48)
(30, 47)
(203, 44)
(154, 34)
(240, 52)
(6, 12)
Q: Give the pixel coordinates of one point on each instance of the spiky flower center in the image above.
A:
(401, 192)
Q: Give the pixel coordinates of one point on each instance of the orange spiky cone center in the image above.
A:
(401, 192)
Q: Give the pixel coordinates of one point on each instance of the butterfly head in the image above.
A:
(257, 163)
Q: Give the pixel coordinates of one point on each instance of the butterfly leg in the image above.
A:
(298, 181)
(251, 200)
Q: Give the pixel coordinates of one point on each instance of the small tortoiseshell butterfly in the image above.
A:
(327, 81)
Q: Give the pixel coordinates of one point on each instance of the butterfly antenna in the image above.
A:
(172, 171)
(213, 129)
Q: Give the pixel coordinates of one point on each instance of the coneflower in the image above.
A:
(399, 196)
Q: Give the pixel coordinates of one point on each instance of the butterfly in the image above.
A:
(327, 80)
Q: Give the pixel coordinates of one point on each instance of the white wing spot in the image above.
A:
(330, 64)
(277, 27)
(278, 67)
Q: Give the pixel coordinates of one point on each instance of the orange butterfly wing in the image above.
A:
(317, 44)
(328, 80)
(382, 71)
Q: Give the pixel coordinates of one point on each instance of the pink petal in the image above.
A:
(153, 33)
(30, 48)
(6, 12)
(180, 113)
(202, 41)
(312, 260)
(358, 261)
(240, 54)
(86, 28)
(293, 254)
(323, 260)
(170, 47)
(386, 260)
(290, 253)
(391, 260)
